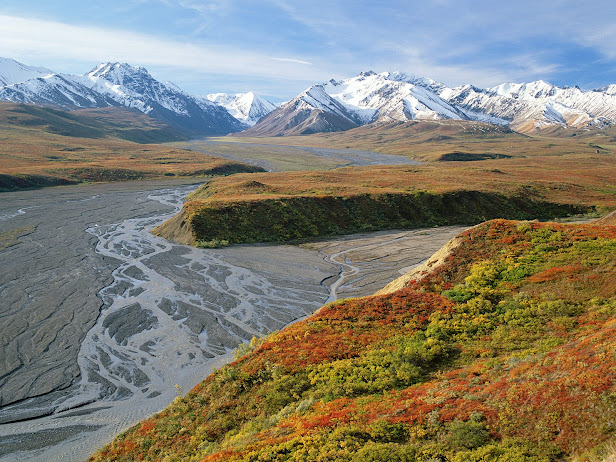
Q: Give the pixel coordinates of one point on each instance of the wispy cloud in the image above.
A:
(291, 60)
(31, 38)
(201, 7)
(462, 41)
(205, 13)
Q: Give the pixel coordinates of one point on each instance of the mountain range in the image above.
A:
(371, 98)
(336, 105)
(121, 85)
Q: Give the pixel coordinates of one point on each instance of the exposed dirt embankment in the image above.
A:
(609, 219)
(424, 268)
(177, 229)
(305, 217)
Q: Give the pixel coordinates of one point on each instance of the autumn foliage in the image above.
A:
(506, 352)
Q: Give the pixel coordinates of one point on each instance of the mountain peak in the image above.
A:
(118, 73)
(535, 89)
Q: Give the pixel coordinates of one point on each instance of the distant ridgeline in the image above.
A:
(502, 350)
(368, 98)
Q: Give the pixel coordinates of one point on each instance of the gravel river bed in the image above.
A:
(102, 323)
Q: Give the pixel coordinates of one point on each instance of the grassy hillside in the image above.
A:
(504, 352)
(45, 147)
(275, 220)
(295, 205)
(112, 122)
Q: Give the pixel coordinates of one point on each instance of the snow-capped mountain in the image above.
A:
(117, 84)
(246, 107)
(331, 106)
(385, 97)
(12, 72)
(58, 90)
(529, 106)
(133, 86)
(391, 97)
(367, 98)
(312, 111)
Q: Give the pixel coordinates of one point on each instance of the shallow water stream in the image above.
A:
(103, 323)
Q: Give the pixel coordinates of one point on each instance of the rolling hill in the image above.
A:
(503, 351)
(48, 147)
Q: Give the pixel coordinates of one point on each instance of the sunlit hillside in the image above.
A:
(504, 352)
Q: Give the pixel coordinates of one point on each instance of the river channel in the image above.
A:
(102, 323)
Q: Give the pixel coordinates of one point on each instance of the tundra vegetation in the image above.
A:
(505, 352)
(470, 172)
(307, 204)
(438, 140)
(47, 147)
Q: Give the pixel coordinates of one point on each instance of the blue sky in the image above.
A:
(279, 47)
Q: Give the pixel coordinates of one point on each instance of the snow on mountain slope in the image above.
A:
(246, 107)
(335, 105)
(366, 98)
(133, 86)
(12, 72)
(608, 90)
(537, 104)
(316, 97)
(387, 96)
(312, 111)
(394, 96)
(64, 91)
(117, 84)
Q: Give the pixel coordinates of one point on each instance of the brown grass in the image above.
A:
(584, 180)
(428, 140)
(29, 146)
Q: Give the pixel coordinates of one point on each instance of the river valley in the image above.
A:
(103, 323)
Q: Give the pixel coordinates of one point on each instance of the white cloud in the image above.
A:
(478, 41)
(458, 41)
(291, 60)
(44, 41)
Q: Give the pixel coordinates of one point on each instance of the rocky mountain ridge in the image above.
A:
(116, 84)
(397, 97)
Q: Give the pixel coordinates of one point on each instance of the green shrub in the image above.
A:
(380, 452)
(212, 244)
(467, 435)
